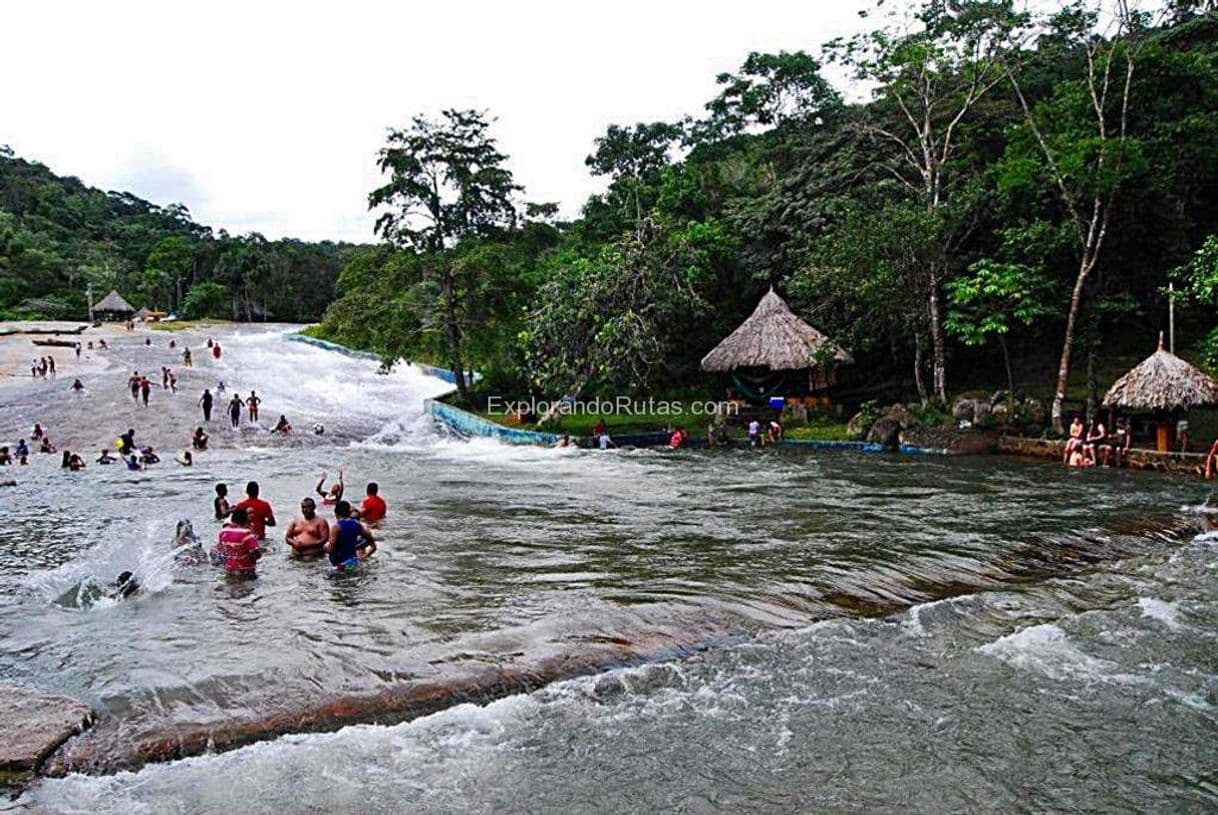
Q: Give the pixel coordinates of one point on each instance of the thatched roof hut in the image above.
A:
(774, 338)
(1162, 382)
(113, 302)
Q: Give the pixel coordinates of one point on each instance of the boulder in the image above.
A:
(951, 441)
(1035, 411)
(33, 724)
(857, 425)
(903, 416)
(1001, 413)
(886, 431)
(964, 409)
(981, 410)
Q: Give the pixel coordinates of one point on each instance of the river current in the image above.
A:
(727, 631)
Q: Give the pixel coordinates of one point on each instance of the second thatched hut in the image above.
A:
(774, 352)
(1165, 387)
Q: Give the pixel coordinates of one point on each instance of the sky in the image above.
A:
(267, 116)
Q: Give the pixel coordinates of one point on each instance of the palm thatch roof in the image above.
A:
(114, 302)
(1162, 381)
(772, 337)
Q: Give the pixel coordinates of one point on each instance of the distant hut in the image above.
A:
(775, 353)
(1166, 387)
(113, 307)
(142, 315)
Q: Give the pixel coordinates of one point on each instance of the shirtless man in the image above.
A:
(308, 532)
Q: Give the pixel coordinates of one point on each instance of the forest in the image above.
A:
(59, 237)
(990, 197)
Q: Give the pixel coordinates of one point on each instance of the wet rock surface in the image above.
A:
(33, 724)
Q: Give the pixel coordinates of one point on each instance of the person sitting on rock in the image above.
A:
(1076, 438)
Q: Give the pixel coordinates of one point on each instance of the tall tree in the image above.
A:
(931, 67)
(770, 90)
(1081, 143)
(447, 181)
(632, 157)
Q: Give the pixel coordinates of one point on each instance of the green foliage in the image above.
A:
(994, 298)
(58, 236)
(208, 299)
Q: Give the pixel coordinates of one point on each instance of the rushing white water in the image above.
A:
(1038, 641)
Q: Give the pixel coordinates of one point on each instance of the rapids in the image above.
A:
(630, 630)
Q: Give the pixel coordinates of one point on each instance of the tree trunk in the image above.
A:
(1006, 358)
(1063, 368)
(938, 348)
(918, 365)
(1092, 384)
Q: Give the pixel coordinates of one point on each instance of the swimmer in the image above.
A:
(148, 456)
(145, 389)
(46, 446)
(78, 386)
(184, 458)
(238, 546)
(199, 439)
(373, 509)
(282, 426)
(22, 449)
(6, 457)
(308, 533)
(37, 432)
(335, 493)
(186, 359)
(105, 457)
(132, 462)
(125, 586)
(220, 504)
(350, 541)
(126, 442)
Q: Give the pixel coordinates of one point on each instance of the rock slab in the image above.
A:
(33, 724)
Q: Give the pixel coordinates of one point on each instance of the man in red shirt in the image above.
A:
(238, 547)
(260, 513)
(373, 509)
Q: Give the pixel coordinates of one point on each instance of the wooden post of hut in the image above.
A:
(773, 341)
(1166, 387)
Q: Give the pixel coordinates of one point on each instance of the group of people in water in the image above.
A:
(345, 543)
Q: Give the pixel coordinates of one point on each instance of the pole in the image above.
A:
(1171, 317)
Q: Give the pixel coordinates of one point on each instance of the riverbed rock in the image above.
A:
(886, 431)
(33, 724)
(1035, 411)
(950, 440)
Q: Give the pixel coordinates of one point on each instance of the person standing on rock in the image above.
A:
(206, 401)
(252, 402)
(234, 410)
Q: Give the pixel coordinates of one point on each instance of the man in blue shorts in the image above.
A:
(350, 541)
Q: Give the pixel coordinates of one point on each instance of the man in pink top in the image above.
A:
(238, 546)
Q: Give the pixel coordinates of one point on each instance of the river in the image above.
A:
(727, 631)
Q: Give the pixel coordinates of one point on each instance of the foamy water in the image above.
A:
(872, 632)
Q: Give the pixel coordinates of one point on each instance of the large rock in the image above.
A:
(886, 431)
(857, 425)
(903, 416)
(963, 409)
(33, 724)
(951, 441)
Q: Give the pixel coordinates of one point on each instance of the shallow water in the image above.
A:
(1072, 664)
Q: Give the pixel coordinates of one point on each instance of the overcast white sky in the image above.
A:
(268, 116)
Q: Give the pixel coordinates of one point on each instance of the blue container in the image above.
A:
(778, 402)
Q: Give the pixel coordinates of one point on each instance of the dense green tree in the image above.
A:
(447, 182)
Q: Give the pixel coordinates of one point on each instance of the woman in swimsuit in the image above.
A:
(335, 493)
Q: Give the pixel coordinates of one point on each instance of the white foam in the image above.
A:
(1046, 649)
(1160, 610)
